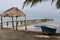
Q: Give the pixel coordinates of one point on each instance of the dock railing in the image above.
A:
(22, 22)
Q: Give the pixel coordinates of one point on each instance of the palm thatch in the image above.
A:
(34, 2)
(13, 12)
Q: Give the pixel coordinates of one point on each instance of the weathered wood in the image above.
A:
(1, 23)
(25, 23)
(16, 23)
(7, 23)
(21, 23)
(12, 23)
(34, 21)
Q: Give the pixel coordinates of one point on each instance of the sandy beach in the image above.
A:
(33, 28)
(10, 34)
(18, 15)
(22, 34)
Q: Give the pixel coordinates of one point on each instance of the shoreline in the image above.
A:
(30, 28)
(7, 34)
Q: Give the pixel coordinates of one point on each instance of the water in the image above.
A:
(33, 28)
(53, 24)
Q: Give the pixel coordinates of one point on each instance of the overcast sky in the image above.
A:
(43, 10)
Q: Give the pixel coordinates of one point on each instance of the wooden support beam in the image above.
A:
(21, 23)
(1, 23)
(12, 23)
(16, 23)
(7, 23)
(25, 23)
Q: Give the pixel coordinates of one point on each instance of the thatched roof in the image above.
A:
(13, 12)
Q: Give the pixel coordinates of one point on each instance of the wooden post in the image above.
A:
(12, 23)
(1, 23)
(16, 23)
(25, 23)
(34, 21)
(21, 23)
(7, 23)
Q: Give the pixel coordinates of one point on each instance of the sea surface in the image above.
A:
(54, 24)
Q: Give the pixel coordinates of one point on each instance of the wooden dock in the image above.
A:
(28, 22)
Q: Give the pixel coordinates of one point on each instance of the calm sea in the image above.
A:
(55, 23)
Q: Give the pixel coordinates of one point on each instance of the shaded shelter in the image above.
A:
(14, 12)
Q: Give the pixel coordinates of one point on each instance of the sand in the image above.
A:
(10, 34)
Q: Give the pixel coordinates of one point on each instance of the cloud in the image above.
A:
(10, 3)
(43, 9)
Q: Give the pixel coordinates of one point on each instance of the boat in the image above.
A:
(47, 30)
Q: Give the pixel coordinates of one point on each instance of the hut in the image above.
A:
(14, 12)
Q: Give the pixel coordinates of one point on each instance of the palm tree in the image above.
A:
(34, 2)
(58, 4)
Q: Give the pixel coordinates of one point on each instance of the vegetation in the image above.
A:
(34, 2)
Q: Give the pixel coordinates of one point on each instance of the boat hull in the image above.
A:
(48, 30)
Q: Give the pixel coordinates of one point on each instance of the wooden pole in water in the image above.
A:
(16, 23)
(25, 23)
(1, 23)
(12, 23)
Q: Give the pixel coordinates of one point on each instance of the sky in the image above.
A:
(41, 10)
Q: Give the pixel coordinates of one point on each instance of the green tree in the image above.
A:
(58, 4)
